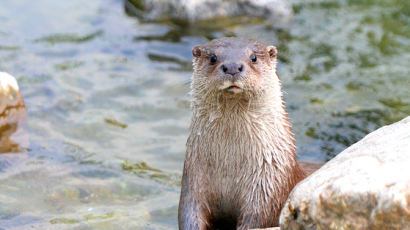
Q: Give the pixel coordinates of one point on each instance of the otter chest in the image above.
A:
(231, 155)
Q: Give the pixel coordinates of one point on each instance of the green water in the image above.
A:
(108, 104)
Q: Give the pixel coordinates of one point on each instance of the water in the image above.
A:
(108, 104)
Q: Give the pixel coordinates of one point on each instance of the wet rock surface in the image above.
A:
(367, 186)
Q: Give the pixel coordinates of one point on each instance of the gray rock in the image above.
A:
(367, 186)
(205, 9)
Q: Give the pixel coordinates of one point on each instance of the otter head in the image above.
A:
(234, 68)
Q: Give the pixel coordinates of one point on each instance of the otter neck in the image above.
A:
(224, 104)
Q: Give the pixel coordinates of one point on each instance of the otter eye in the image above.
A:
(213, 59)
(253, 58)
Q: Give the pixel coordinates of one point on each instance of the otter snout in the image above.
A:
(231, 74)
(233, 69)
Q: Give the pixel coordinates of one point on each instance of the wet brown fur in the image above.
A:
(240, 163)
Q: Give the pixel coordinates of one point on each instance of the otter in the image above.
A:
(240, 162)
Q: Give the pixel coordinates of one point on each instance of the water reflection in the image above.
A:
(208, 28)
(69, 38)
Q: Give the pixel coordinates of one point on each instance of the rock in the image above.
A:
(367, 186)
(12, 115)
(274, 228)
(10, 95)
(206, 9)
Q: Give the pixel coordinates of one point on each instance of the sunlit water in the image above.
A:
(108, 104)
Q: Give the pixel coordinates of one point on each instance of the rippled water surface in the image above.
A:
(108, 104)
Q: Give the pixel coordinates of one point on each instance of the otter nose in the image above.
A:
(232, 68)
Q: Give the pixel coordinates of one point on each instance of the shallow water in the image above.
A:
(108, 105)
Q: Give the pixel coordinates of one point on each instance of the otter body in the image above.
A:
(240, 163)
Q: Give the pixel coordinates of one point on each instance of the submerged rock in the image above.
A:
(277, 10)
(12, 115)
(367, 186)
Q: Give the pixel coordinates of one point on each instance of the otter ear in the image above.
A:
(196, 51)
(272, 51)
